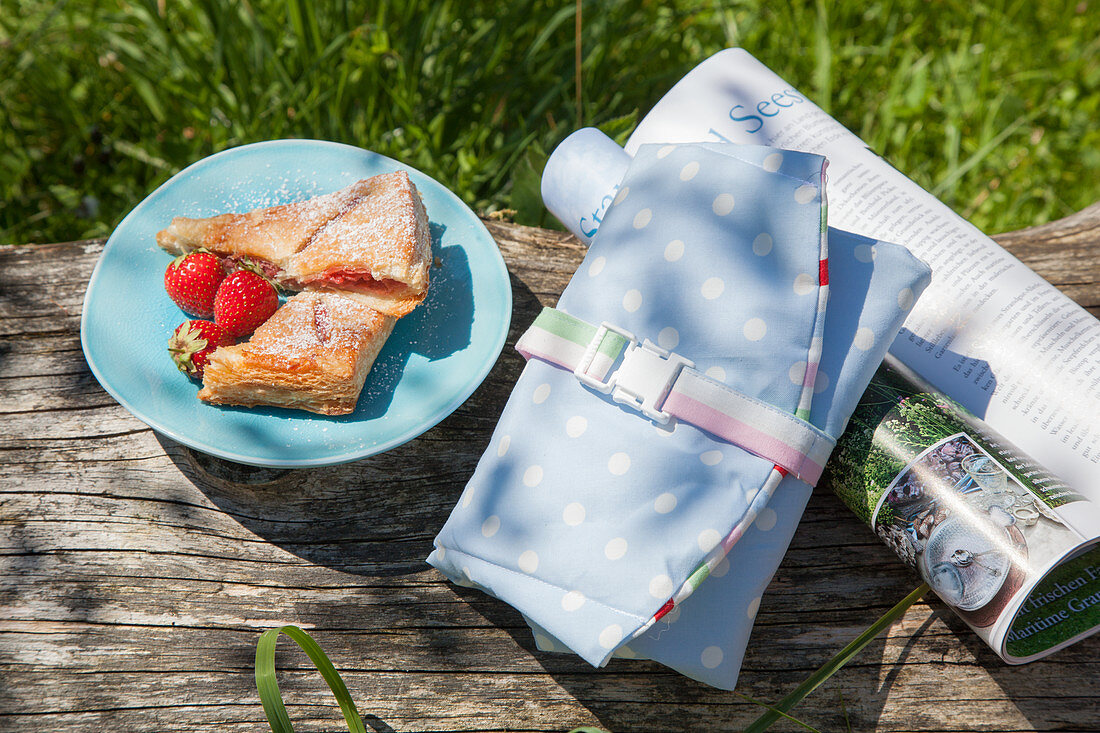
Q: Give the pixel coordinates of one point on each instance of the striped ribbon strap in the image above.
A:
(663, 386)
(571, 343)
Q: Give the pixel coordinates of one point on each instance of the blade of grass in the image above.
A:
(778, 712)
(823, 55)
(305, 24)
(268, 685)
(836, 663)
(578, 63)
(535, 49)
(980, 154)
(138, 153)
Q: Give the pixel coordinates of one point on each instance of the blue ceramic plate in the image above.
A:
(436, 357)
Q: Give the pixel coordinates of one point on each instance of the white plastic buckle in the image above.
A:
(644, 378)
(581, 372)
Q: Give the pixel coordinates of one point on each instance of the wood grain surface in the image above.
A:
(136, 574)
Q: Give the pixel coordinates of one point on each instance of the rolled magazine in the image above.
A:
(999, 538)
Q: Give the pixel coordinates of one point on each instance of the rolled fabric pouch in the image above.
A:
(872, 286)
(589, 519)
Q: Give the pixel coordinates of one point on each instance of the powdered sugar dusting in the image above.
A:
(312, 322)
(380, 232)
(273, 234)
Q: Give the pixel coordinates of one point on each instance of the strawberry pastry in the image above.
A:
(361, 255)
(370, 238)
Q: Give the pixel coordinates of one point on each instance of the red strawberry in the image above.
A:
(193, 342)
(244, 300)
(192, 280)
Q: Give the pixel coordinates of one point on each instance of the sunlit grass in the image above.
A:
(991, 106)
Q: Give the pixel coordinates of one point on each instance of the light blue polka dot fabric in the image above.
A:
(584, 515)
(873, 285)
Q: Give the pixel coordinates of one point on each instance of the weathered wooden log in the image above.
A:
(136, 574)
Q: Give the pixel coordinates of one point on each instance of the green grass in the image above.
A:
(992, 106)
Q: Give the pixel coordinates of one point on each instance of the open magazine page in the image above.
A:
(982, 523)
(989, 332)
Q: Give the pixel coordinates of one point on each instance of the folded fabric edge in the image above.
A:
(716, 658)
(919, 282)
(715, 557)
(725, 673)
(736, 151)
(480, 573)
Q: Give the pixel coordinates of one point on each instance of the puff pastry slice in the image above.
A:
(313, 354)
(371, 239)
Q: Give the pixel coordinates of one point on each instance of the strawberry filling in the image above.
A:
(358, 282)
(267, 267)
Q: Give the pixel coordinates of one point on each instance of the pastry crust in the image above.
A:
(371, 238)
(313, 354)
(271, 234)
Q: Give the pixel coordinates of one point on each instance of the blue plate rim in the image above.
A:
(477, 376)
